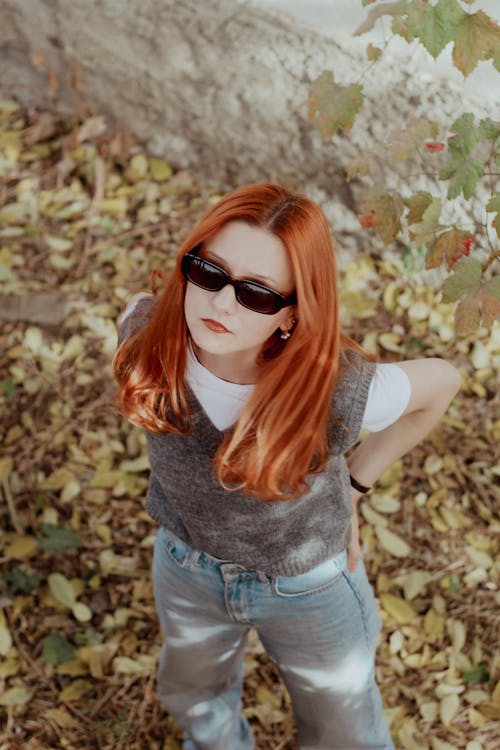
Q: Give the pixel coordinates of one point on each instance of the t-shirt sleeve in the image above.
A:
(136, 314)
(388, 397)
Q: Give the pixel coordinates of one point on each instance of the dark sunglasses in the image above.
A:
(250, 294)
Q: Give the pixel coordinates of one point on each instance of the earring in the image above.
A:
(286, 334)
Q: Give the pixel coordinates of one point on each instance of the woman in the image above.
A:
(250, 395)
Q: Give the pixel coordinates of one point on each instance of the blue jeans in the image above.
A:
(320, 628)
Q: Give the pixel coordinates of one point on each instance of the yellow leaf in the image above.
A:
(392, 543)
(429, 710)
(9, 667)
(6, 465)
(458, 634)
(62, 718)
(70, 490)
(61, 589)
(481, 559)
(433, 624)
(264, 695)
(5, 640)
(141, 463)
(438, 744)
(397, 608)
(448, 708)
(371, 516)
(160, 170)
(476, 719)
(143, 665)
(16, 696)
(76, 690)
(413, 583)
(73, 668)
(21, 547)
(390, 341)
(81, 612)
(384, 503)
(113, 206)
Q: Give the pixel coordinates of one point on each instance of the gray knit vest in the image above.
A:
(277, 538)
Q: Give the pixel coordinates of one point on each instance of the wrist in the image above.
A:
(358, 487)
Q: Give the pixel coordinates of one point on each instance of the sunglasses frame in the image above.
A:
(235, 283)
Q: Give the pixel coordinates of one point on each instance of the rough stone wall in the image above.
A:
(219, 87)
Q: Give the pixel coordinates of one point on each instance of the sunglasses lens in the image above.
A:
(204, 275)
(258, 299)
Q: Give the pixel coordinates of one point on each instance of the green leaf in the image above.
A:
(464, 177)
(61, 589)
(18, 580)
(478, 39)
(402, 144)
(434, 25)
(465, 279)
(57, 650)
(332, 107)
(59, 539)
(387, 209)
(494, 205)
(477, 674)
(382, 9)
(489, 129)
(465, 137)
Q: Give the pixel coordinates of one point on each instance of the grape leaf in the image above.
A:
(464, 175)
(417, 204)
(387, 209)
(402, 144)
(466, 135)
(383, 9)
(398, 26)
(450, 245)
(491, 301)
(489, 129)
(494, 205)
(478, 39)
(465, 279)
(361, 165)
(332, 107)
(426, 228)
(468, 314)
(434, 25)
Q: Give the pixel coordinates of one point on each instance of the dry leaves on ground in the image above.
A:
(84, 217)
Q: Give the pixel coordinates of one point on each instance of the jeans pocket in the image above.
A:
(363, 591)
(314, 581)
(176, 549)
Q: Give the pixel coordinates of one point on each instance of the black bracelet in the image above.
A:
(357, 486)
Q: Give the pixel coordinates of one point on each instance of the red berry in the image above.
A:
(434, 146)
(367, 220)
(467, 243)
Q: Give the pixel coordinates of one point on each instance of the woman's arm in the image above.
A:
(434, 383)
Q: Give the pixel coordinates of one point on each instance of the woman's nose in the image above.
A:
(225, 298)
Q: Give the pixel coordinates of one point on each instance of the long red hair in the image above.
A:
(281, 434)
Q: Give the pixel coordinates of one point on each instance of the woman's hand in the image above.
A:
(353, 548)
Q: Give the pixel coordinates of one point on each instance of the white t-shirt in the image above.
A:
(388, 395)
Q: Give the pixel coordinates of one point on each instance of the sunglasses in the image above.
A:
(250, 294)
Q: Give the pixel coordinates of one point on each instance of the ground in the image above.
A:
(84, 217)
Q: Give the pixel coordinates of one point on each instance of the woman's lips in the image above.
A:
(214, 326)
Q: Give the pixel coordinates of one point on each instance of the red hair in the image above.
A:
(281, 434)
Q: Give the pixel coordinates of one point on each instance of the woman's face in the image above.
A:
(245, 252)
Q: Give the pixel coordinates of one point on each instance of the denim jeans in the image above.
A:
(320, 628)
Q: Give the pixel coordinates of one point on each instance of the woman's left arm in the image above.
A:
(434, 382)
